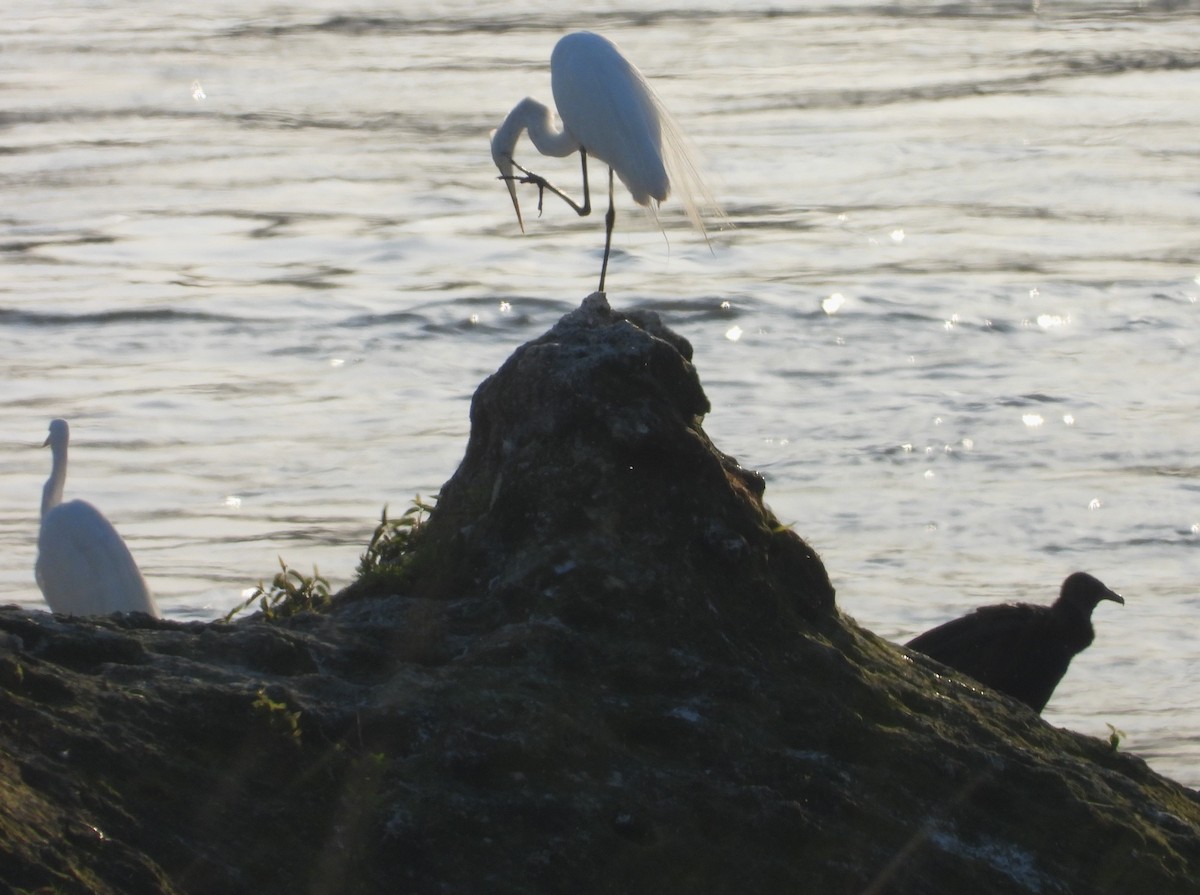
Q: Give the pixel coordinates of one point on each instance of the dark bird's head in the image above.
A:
(1081, 592)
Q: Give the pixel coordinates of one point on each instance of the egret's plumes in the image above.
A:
(83, 566)
(608, 111)
(1018, 648)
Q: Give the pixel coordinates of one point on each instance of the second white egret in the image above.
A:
(608, 111)
(83, 566)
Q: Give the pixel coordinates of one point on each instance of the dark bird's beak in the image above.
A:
(1112, 595)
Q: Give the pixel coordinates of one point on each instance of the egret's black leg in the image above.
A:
(587, 193)
(609, 219)
(583, 210)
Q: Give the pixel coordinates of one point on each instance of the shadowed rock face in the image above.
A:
(569, 440)
(606, 669)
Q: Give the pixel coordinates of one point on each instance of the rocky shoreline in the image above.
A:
(602, 666)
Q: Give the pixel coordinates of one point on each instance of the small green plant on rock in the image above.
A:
(277, 715)
(1114, 737)
(389, 553)
(290, 593)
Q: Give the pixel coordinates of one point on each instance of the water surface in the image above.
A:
(257, 255)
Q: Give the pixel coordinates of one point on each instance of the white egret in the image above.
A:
(83, 566)
(608, 111)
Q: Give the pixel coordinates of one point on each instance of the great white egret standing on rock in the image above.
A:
(83, 566)
(608, 111)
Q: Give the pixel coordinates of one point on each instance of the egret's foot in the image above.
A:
(529, 177)
(542, 185)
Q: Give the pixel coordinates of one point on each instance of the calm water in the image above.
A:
(257, 255)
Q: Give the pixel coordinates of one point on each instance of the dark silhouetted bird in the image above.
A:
(1017, 648)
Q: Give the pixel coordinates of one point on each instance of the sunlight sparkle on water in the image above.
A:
(505, 307)
(733, 333)
(198, 92)
(1032, 420)
(897, 236)
(1050, 321)
(233, 500)
(1095, 503)
(833, 303)
(1068, 419)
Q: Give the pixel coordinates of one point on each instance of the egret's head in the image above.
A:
(59, 433)
(504, 141)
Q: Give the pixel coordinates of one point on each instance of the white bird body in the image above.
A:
(617, 119)
(83, 565)
(610, 112)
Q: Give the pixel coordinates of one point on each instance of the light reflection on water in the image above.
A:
(954, 325)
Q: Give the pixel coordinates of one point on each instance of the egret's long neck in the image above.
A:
(52, 491)
(536, 118)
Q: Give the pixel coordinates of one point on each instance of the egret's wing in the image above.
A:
(604, 101)
(84, 567)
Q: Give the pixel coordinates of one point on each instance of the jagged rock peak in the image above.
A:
(589, 480)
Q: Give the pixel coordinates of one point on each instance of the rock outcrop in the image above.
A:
(602, 666)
